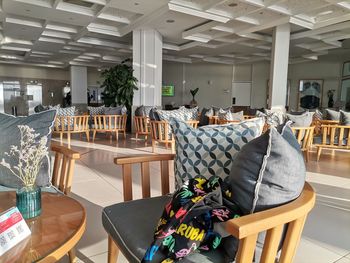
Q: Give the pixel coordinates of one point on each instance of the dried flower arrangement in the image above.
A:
(30, 155)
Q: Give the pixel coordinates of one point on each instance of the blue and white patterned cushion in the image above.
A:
(229, 116)
(70, 111)
(210, 150)
(180, 114)
(96, 110)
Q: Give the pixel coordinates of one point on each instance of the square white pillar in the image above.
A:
(279, 66)
(78, 82)
(147, 65)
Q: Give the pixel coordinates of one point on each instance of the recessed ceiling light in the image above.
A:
(136, 3)
(28, 10)
(232, 5)
(170, 21)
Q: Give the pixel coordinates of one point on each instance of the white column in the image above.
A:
(279, 66)
(78, 83)
(147, 65)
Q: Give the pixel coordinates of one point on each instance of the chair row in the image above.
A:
(83, 124)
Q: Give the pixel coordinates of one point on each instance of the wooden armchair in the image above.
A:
(142, 126)
(245, 228)
(62, 176)
(109, 123)
(71, 124)
(305, 137)
(318, 123)
(161, 133)
(63, 167)
(336, 137)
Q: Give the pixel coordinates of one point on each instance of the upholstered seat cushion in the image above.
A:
(132, 224)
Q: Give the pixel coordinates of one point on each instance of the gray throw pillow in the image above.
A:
(119, 110)
(229, 116)
(303, 120)
(332, 115)
(217, 109)
(293, 112)
(344, 118)
(153, 115)
(268, 172)
(10, 135)
(209, 150)
(204, 119)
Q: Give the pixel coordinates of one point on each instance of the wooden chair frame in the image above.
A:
(101, 123)
(216, 120)
(142, 126)
(245, 228)
(318, 124)
(160, 131)
(305, 137)
(62, 175)
(71, 124)
(333, 137)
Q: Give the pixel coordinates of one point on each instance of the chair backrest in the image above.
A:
(71, 123)
(142, 124)
(63, 168)
(304, 135)
(227, 121)
(336, 135)
(293, 214)
(318, 123)
(109, 122)
(161, 130)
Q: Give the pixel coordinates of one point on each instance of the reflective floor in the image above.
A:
(97, 183)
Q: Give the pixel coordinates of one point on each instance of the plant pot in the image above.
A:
(28, 201)
(193, 103)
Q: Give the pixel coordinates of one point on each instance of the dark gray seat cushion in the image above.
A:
(10, 135)
(132, 224)
(204, 119)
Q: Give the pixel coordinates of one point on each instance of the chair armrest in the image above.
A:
(144, 161)
(65, 151)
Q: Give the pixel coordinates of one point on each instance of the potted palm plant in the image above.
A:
(193, 102)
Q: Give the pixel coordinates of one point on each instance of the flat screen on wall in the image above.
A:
(168, 91)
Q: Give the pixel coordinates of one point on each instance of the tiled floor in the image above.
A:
(97, 183)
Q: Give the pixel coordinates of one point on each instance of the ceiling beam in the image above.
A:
(318, 31)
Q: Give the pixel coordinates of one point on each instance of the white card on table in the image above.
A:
(13, 229)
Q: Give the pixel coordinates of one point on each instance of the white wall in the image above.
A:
(211, 79)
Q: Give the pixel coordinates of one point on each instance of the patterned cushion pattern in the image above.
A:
(229, 116)
(210, 150)
(96, 110)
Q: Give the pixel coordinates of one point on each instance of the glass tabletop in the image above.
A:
(62, 219)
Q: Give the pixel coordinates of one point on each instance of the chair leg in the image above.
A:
(61, 137)
(68, 139)
(117, 135)
(72, 256)
(319, 150)
(153, 145)
(93, 136)
(172, 147)
(137, 135)
(87, 136)
(113, 251)
(307, 156)
(124, 135)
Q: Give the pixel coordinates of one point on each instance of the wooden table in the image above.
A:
(54, 233)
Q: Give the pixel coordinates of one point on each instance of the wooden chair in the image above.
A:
(245, 228)
(161, 133)
(336, 137)
(62, 176)
(109, 123)
(142, 126)
(70, 125)
(318, 123)
(305, 136)
(213, 120)
(226, 121)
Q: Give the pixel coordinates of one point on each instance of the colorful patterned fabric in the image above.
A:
(227, 115)
(210, 150)
(188, 222)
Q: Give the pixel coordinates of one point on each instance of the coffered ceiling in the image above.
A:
(98, 33)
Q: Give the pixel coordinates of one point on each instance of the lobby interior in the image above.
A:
(249, 54)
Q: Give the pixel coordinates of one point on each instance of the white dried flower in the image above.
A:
(30, 155)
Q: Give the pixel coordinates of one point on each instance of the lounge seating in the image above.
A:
(335, 137)
(70, 125)
(305, 137)
(118, 218)
(161, 133)
(109, 123)
(142, 126)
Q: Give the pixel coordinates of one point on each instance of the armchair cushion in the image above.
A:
(96, 110)
(302, 120)
(119, 110)
(204, 118)
(10, 135)
(127, 224)
(210, 150)
(332, 115)
(229, 116)
(144, 111)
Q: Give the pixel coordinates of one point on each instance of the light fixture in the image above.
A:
(232, 5)
(136, 3)
(170, 21)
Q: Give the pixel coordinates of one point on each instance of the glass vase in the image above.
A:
(28, 201)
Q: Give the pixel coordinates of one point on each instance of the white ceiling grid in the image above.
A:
(97, 33)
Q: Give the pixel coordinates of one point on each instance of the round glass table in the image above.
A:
(54, 233)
